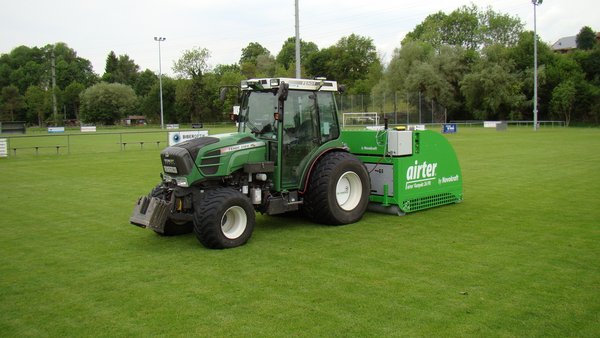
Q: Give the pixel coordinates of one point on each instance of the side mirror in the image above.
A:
(223, 94)
(341, 89)
(283, 90)
(225, 89)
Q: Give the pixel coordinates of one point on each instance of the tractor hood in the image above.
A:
(212, 156)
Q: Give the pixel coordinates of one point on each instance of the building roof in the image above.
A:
(566, 43)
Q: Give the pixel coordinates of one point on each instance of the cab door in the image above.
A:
(309, 120)
(300, 135)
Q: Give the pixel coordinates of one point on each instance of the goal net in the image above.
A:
(360, 119)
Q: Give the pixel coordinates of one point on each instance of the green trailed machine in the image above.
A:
(290, 155)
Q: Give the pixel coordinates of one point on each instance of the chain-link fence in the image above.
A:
(398, 108)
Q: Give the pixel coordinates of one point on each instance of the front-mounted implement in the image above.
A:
(289, 154)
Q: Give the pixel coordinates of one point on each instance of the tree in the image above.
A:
(467, 27)
(257, 61)
(265, 66)
(429, 31)
(563, 100)
(221, 70)
(25, 67)
(120, 70)
(112, 63)
(251, 52)
(586, 39)
(403, 60)
(351, 59)
(589, 61)
(184, 100)
(492, 89)
(354, 57)
(287, 55)
(452, 63)
(144, 82)
(106, 103)
(193, 97)
(417, 67)
(150, 103)
(498, 28)
(12, 102)
(71, 98)
(228, 75)
(521, 57)
(192, 64)
(522, 52)
(462, 28)
(595, 106)
(69, 67)
(319, 63)
(128, 71)
(38, 104)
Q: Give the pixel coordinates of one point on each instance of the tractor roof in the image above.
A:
(299, 84)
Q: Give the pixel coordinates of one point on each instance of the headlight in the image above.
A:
(181, 182)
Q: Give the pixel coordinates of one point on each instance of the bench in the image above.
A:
(37, 148)
(141, 143)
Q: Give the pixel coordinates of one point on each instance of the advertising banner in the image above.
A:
(181, 136)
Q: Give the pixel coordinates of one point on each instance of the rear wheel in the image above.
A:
(338, 190)
(223, 218)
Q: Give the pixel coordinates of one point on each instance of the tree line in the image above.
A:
(479, 64)
(475, 62)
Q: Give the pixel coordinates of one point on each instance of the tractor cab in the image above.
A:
(294, 117)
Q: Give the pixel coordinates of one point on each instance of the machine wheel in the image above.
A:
(338, 190)
(173, 228)
(223, 218)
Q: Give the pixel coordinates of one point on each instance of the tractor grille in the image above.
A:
(209, 165)
(429, 202)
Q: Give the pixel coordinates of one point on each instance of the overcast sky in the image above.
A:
(94, 28)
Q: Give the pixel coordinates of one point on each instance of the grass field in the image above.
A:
(520, 257)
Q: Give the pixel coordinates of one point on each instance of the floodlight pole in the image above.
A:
(298, 71)
(535, 70)
(162, 121)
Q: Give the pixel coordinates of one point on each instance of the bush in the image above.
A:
(106, 103)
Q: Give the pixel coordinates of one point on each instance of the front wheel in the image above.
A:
(223, 218)
(173, 228)
(338, 190)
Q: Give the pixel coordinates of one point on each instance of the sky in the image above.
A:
(94, 28)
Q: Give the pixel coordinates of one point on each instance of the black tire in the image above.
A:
(173, 228)
(223, 218)
(324, 204)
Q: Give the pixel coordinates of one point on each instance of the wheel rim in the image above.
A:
(233, 222)
(348, 191)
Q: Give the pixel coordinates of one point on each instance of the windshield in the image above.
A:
(257, 112)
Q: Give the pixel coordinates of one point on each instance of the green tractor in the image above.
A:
(289, 155)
